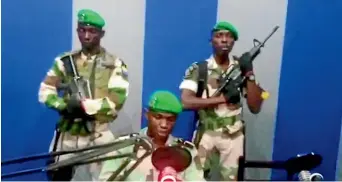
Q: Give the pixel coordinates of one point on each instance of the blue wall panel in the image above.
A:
(310, 100)
(33, 33)
(175, 34)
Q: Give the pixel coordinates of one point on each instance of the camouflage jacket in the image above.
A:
(224, 116)
(145, 171)
(110, 84)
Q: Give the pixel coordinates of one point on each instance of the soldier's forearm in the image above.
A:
(193, 102)
(118, 88)
(99, 106)
(118, 96)
(48, 96)
(254, 99)
(117, 92)
(112, 103)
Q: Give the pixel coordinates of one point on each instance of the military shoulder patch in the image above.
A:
(124, 66)
(124, 70)
(190, 70)
(108, 61)
(119, 63)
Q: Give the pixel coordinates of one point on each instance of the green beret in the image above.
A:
(226, 26)
(90, 17)
(165, 101)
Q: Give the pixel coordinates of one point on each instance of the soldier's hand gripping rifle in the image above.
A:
(235, 73)
(90, 155)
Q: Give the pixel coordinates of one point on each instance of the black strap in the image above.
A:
(201, 86)
(201, 82)
(58, 134)
(202, 78)
(92, 78)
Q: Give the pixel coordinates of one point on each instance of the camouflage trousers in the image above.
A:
(67, 141)
(223, 147)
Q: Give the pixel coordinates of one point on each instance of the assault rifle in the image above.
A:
(78, 87)
(235, 73)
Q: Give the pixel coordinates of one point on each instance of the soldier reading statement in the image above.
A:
(162, 112)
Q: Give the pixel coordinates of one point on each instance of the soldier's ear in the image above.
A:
(103, 32)
(146, 112)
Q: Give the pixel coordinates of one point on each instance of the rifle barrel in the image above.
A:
(270, 35)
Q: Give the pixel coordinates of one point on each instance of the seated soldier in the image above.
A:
(162, 112)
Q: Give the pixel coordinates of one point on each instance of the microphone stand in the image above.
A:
(292, 166)
(86, 155)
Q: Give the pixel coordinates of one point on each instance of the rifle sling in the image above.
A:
(92, 90)
(92, 78)
(202, 85)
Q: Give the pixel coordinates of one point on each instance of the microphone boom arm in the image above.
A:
(90, 156)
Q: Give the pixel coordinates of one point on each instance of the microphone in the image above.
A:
(169, 161)
(168, 174)
(307, 176)
(302, 164)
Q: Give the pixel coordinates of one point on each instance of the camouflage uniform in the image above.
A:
(164, 102)
(146, 171)
(108, 82)
(111, 90)
(223, 127)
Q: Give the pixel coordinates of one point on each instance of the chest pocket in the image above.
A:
(102, 76)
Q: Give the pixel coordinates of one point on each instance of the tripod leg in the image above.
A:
(62, 174)
(241, 169)
(242, 159)
(290, 176)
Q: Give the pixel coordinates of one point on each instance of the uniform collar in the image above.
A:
(84, 57)
(169, 140)
(213, 65)
(91, 58)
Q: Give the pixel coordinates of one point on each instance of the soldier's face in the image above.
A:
(160, 125)
(222, 42)
(89, 36)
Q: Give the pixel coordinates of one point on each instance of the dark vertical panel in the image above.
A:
(310, 100)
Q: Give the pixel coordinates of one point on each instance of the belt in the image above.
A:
(219, 122)
(77, 128)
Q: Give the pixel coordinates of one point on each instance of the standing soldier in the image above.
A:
(220, 124)
(85, 122)
(162, 112)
